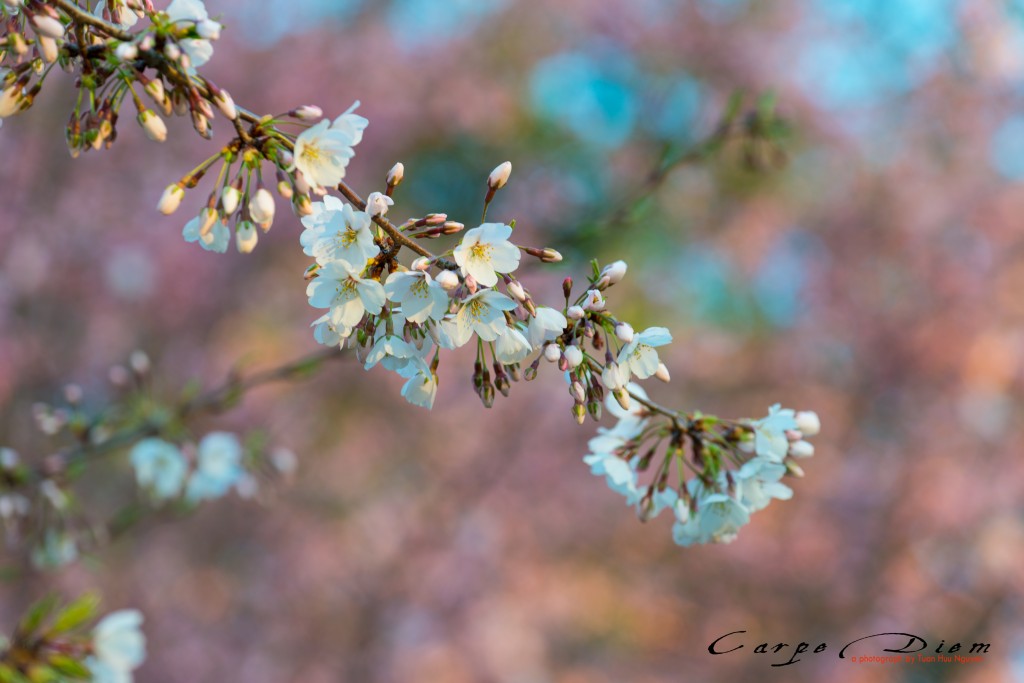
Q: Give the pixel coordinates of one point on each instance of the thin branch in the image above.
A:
(80, 15)
(214, 400)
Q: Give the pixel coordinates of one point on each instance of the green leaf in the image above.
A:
(766, 105)
(11, 675)
(69, 666)
(732, 109)
(37, 614)
(77, 613)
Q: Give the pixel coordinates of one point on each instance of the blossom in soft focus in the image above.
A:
(118, 646)
(120, 13)
(638, 357)
(485, 251)
(218, 467)
(718, 519)
(215, 239)
(770, 439)
(183, 12)
(159, 467)
(758, 482)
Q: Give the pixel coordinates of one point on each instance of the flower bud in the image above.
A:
(153, 125)
(246, 237)
(499, 176)
(170, 200)
(230, 198)
(48, 48)
(614, 272)
(516, 290)
(573, 356)
(155, 89)
(575, 313)
(16, 42)
(681, 510)
(307, 112)
(172, 52)
(801, 449)
(207, 219)
(377, 204)
(794, 470)
(261, 206)
(12, 99)
(549, 255)
(662, 373)
(284, 187)
(622, 398)
(301, 185)
(808, 422)
(579, 412)
(624, 332)
(226, 104)
(208, 29)
(594, 301)
(552, 353)
(126, 52)
(421, 264)
(594, 410)
(452, 228)
(139, 362)
(578, 393)
(396, 174)
(448, 280)
(302, 205)
(8, 458)
(45, 25)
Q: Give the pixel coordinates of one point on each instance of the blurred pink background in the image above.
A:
(877, 279)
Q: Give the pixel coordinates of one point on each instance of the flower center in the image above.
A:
(419, 288)
(476, 309)
(311, 153)
(481, 251)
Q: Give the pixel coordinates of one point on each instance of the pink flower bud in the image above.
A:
(552, 353)
(448, 280)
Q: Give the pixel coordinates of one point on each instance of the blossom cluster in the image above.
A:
(163, 469)
(398, 313)
(712, 506)
(50, 644)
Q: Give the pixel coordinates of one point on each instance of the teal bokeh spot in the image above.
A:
(590, 96)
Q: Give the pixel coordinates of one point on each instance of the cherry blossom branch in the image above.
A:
(215, 400)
